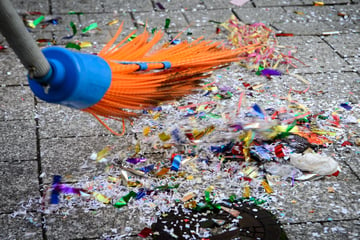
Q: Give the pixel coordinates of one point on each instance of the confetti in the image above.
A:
(89, 28)
(35, 22)
(167, 23)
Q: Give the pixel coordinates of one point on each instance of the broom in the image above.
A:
(123, 78)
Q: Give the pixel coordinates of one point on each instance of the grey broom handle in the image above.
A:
(20, 40)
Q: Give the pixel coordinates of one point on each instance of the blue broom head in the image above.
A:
(76, 80)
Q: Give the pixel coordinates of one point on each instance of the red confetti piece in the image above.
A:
(284, 34)
(346, 143)
(145, 232)
(278, 151)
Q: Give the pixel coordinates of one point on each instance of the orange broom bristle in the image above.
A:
(133, 89)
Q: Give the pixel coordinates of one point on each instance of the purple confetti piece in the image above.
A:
(237, 127)
(140, 194)
(270, 72)
(69, 190)
(160, 6)
(346, 106)
(135, 160)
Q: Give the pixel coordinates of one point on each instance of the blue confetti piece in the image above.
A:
(346, 106)
(147, 169)
(258, 111)
(176, 163)
(55, 193)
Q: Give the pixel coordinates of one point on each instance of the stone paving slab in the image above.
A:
(158, 20)
(313, 14)
(58, 121)
(263, 15)
(18, 140)
(84, 6)
(326, 2)
(70, 156)
(90, 225)
(224, 4)
(127, 5)
(346, 45)
(185, 5)
(16, 103)
(11, 70)
(32, 6)
(18, 228)
(18, 179)
(319, 58)
(294, 207)
(270, 3)
(329, 230)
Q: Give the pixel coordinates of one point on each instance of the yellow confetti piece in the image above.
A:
(246, 193)
(103, 153)
(318, 4)
(156, 116)
(323, 132)
(167, 145)
(198, 134)
(113, 179)
(112, 22)
(146, 131)
(209, 129)
(190, 177)
(210, 189)
(137, 148)
(299, 12)
(251, 171)
(267, 187)
(164, 137)
(101, 198)
(85, 44)
(134, 184)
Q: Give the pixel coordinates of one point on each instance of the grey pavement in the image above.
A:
(39, 140)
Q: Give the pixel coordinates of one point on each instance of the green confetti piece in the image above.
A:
(124, 200)
(259, 70)
(212, 115)
(167, 23)
(207, 197)
(90, 27)
(164, 187)
(323, 117)
(73, 26)
(153, 30)
(38, 20)
(73, 45)
(132, 37)
(232, 198)
(75, 13)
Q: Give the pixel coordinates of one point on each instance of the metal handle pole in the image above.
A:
(20, 40)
